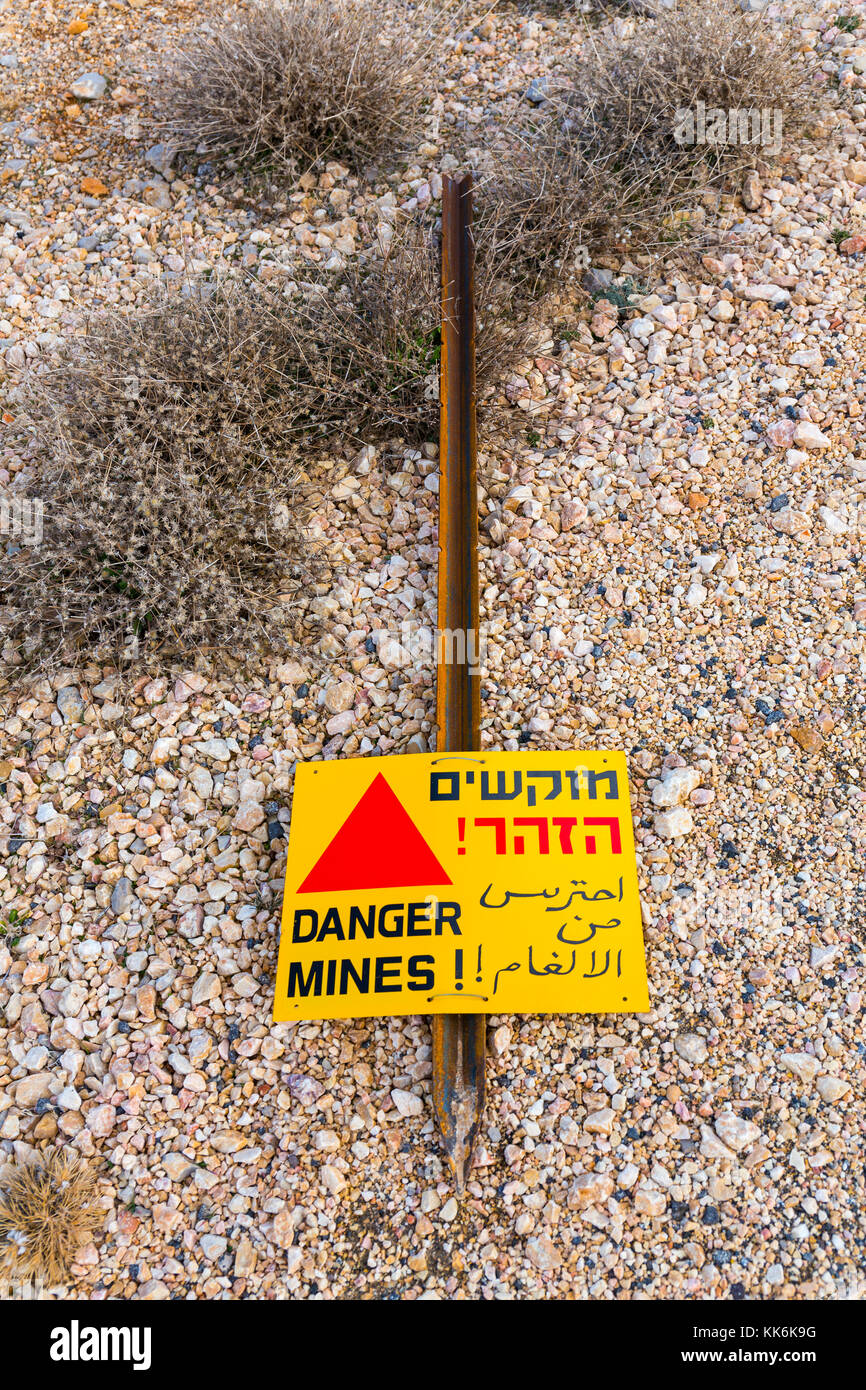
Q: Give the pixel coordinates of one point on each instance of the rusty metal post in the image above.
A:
(458, 1039)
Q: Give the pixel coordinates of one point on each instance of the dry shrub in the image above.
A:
(47, 1209)
(374, 347)
(167, 485)
(602, 168)
(300, 80)
(548, 205)
(617, 7)
(369, 347)
(624, 95)
(171, 441)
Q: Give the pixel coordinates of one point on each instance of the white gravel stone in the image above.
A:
(692, 1048)
(332, 1179)
(73, 999)
(670, 825)
(832, 1088)
(90, 86)
(736, 1132)
(407, 1102)
(676, 786)
(808, 436)
(206, 987)
(802, 1064)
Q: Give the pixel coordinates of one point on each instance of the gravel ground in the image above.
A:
(671, 563)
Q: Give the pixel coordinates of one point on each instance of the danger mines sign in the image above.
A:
(468, 882)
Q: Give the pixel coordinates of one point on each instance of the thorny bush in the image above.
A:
(607, 165)
(174, 440)
(625, 100)
(47, 1209)
(167, 485)
(301, 80)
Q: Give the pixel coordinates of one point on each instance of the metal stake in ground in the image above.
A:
(458, 1039)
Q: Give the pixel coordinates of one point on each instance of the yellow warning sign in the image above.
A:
(461, 883)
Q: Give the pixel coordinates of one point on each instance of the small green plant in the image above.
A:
(418, 355)
(848, 23)
(15, 922)
(533, 437)
(620, 294)
(839, 234)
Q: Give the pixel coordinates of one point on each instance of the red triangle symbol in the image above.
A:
(377, 846)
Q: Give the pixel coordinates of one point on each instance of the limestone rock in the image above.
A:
(676, 786)
(407, 1102)
(735, 1132)
(670, 825)
(802, 1064)
(90, 86)
(590, 1190)
(691, 1047)
(543, 1254)
(648, 1201)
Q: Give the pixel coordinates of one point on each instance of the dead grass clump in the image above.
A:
(695, 85)
(369, 348)
(300, 80)
(171, 441)
(47, 1209)
(550, 205)
(374, 348)
(633, 141)
(167, 486)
